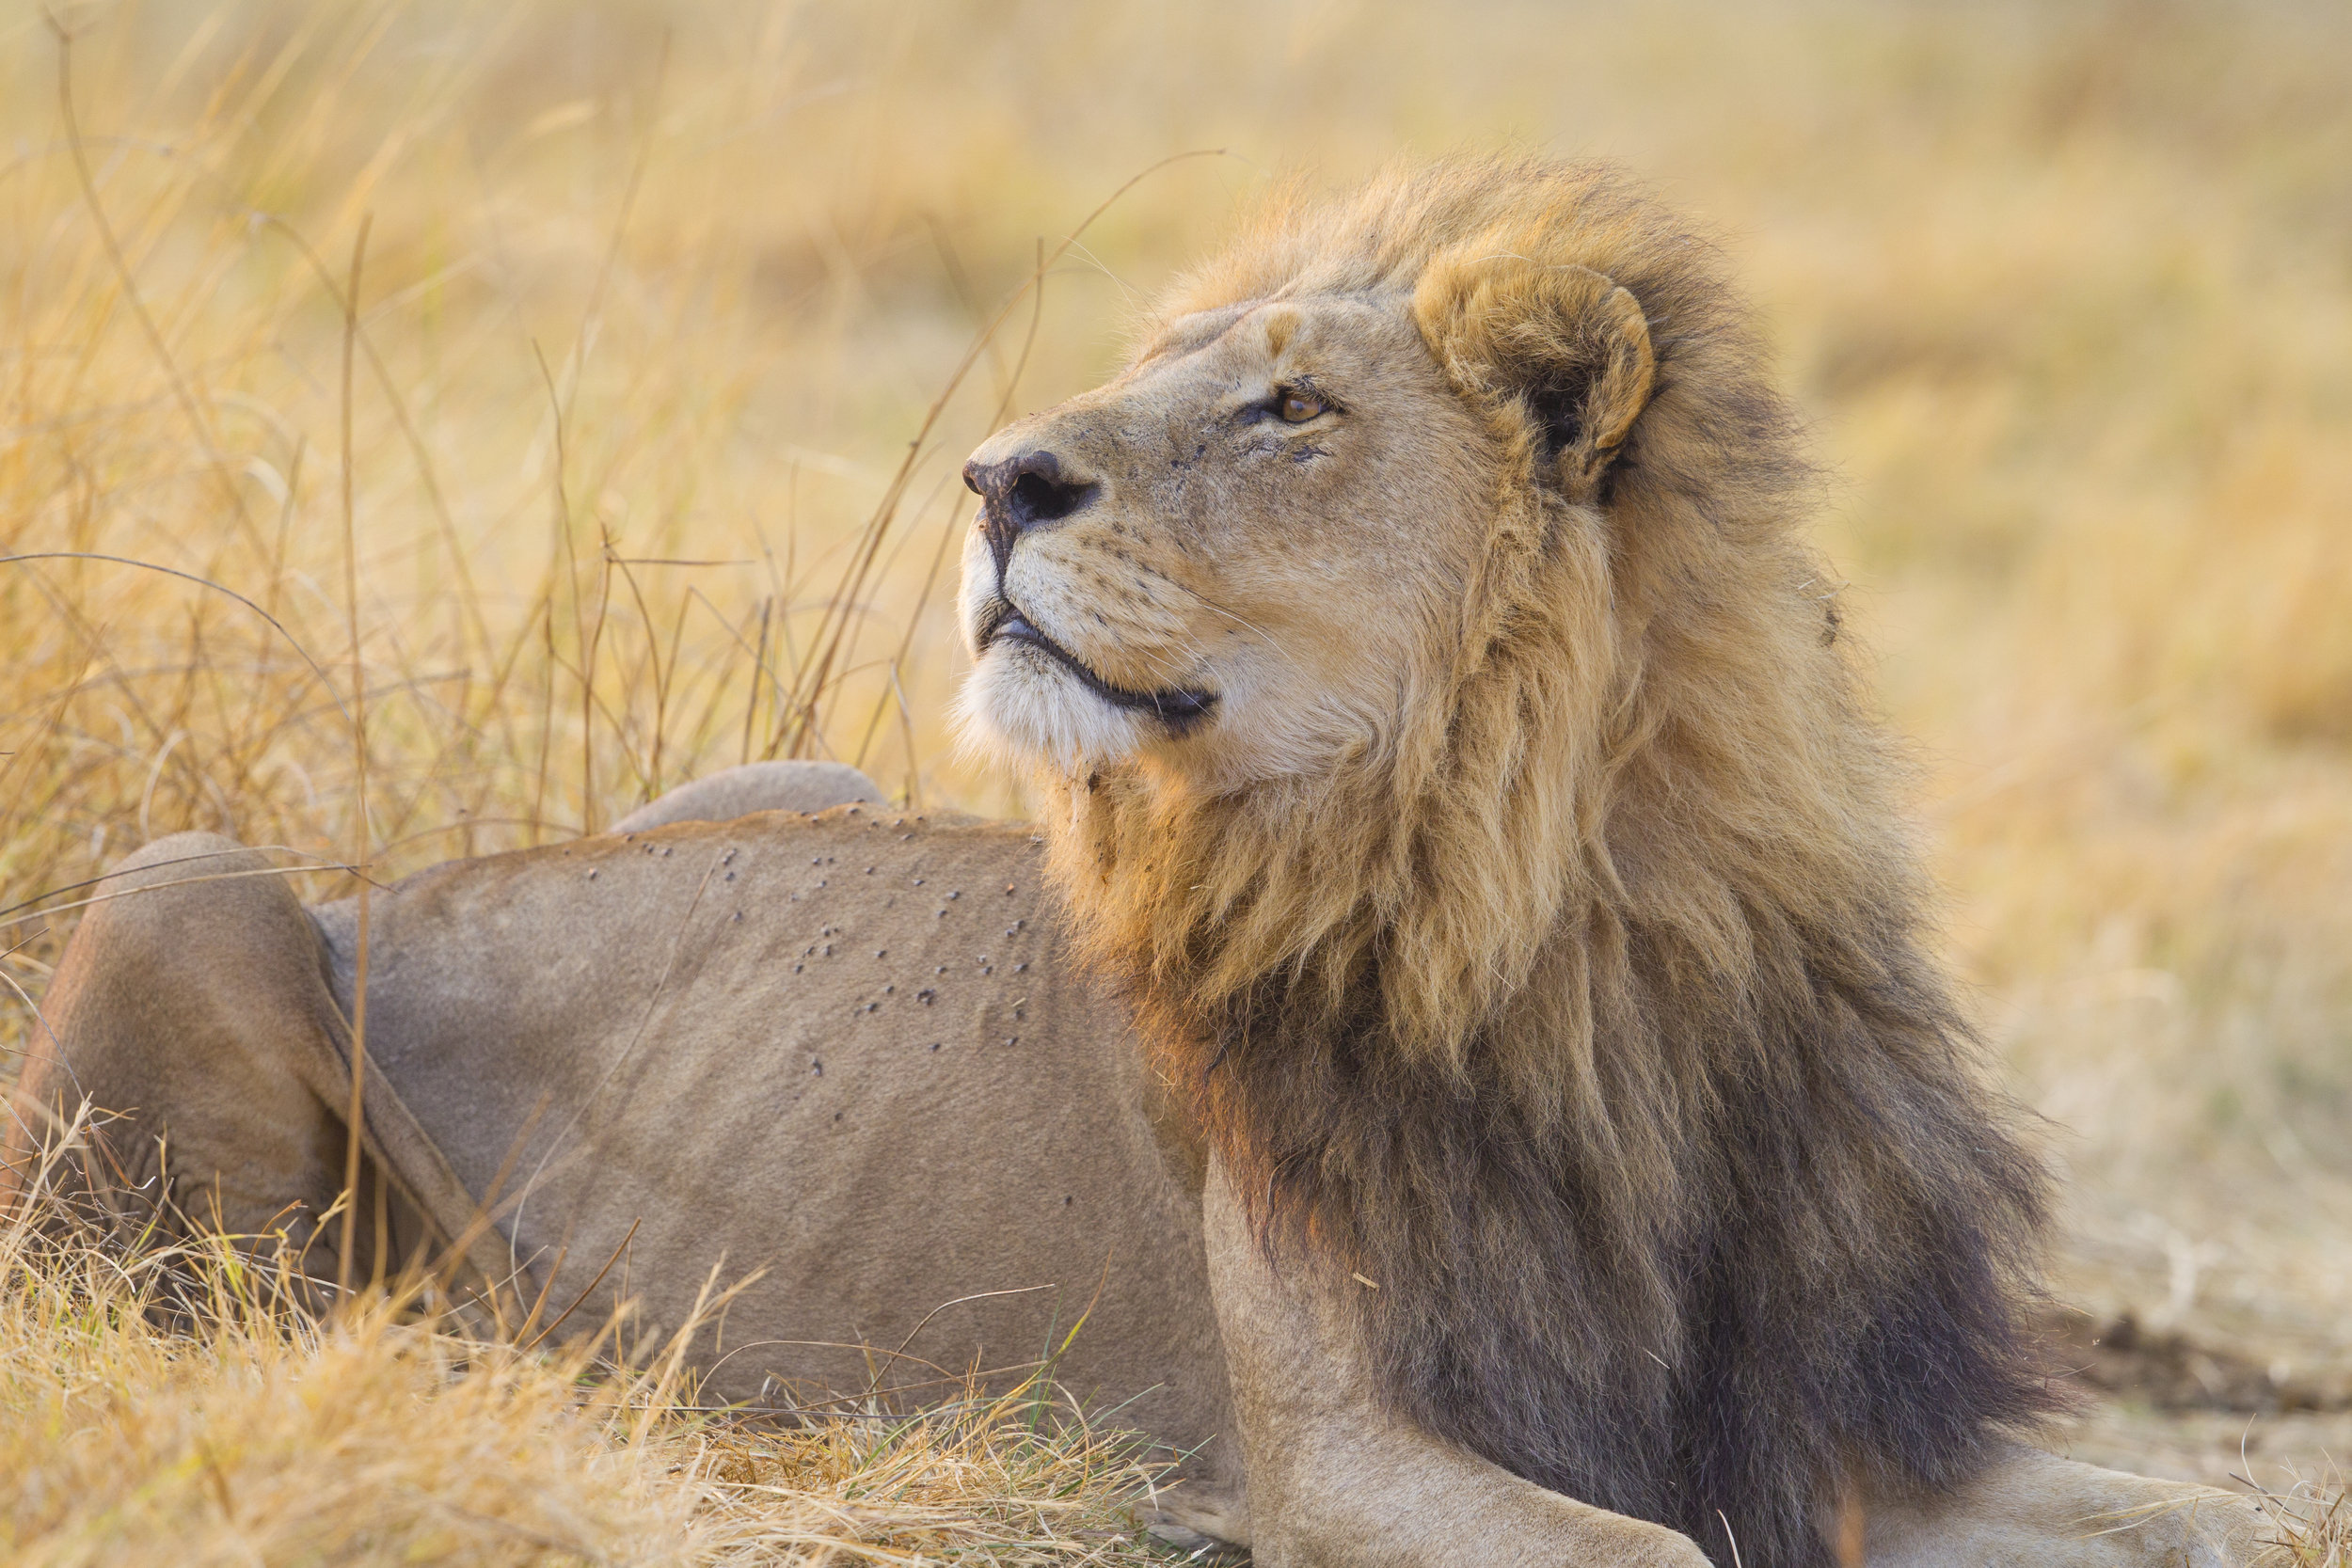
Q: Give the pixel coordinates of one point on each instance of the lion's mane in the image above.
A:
(1586, 1014)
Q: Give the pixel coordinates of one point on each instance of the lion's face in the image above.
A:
(1235, 562)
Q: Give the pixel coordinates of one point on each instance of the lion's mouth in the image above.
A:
(1178, 707)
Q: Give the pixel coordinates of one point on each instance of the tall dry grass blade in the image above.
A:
(362, 847)
(183, 393)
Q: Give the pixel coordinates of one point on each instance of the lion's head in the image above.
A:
(1445, 741)
(1431, 532)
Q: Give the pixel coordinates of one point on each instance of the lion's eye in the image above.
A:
(1298, 407)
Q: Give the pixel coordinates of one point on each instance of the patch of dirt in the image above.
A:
(2227, 1448)
(2172, 1371)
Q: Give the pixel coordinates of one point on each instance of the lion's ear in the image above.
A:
(1568, 345)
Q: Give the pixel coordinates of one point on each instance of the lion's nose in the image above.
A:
(1022, 493)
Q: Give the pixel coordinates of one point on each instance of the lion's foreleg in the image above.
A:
(2033, 1508)
(1334, 1478)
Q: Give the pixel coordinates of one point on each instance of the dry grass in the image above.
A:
(2312, 1521)
(177, 1406)
(653, 298)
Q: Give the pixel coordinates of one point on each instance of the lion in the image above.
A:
(1460, 1040)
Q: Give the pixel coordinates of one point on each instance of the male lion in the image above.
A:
(1476, 1068)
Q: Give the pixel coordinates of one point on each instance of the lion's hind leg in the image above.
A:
(2035, 1509)
(191, 1028)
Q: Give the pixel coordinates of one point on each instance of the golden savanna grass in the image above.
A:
(639, 429)
(174, 1404)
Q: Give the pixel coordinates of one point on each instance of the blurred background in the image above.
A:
(634, 453)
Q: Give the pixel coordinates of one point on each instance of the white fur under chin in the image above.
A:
(1017, 706)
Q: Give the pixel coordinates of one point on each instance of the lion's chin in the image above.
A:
(1018, 706)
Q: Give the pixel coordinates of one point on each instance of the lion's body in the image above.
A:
(879, 1091)
(900, 1051)
(1539, 1122)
